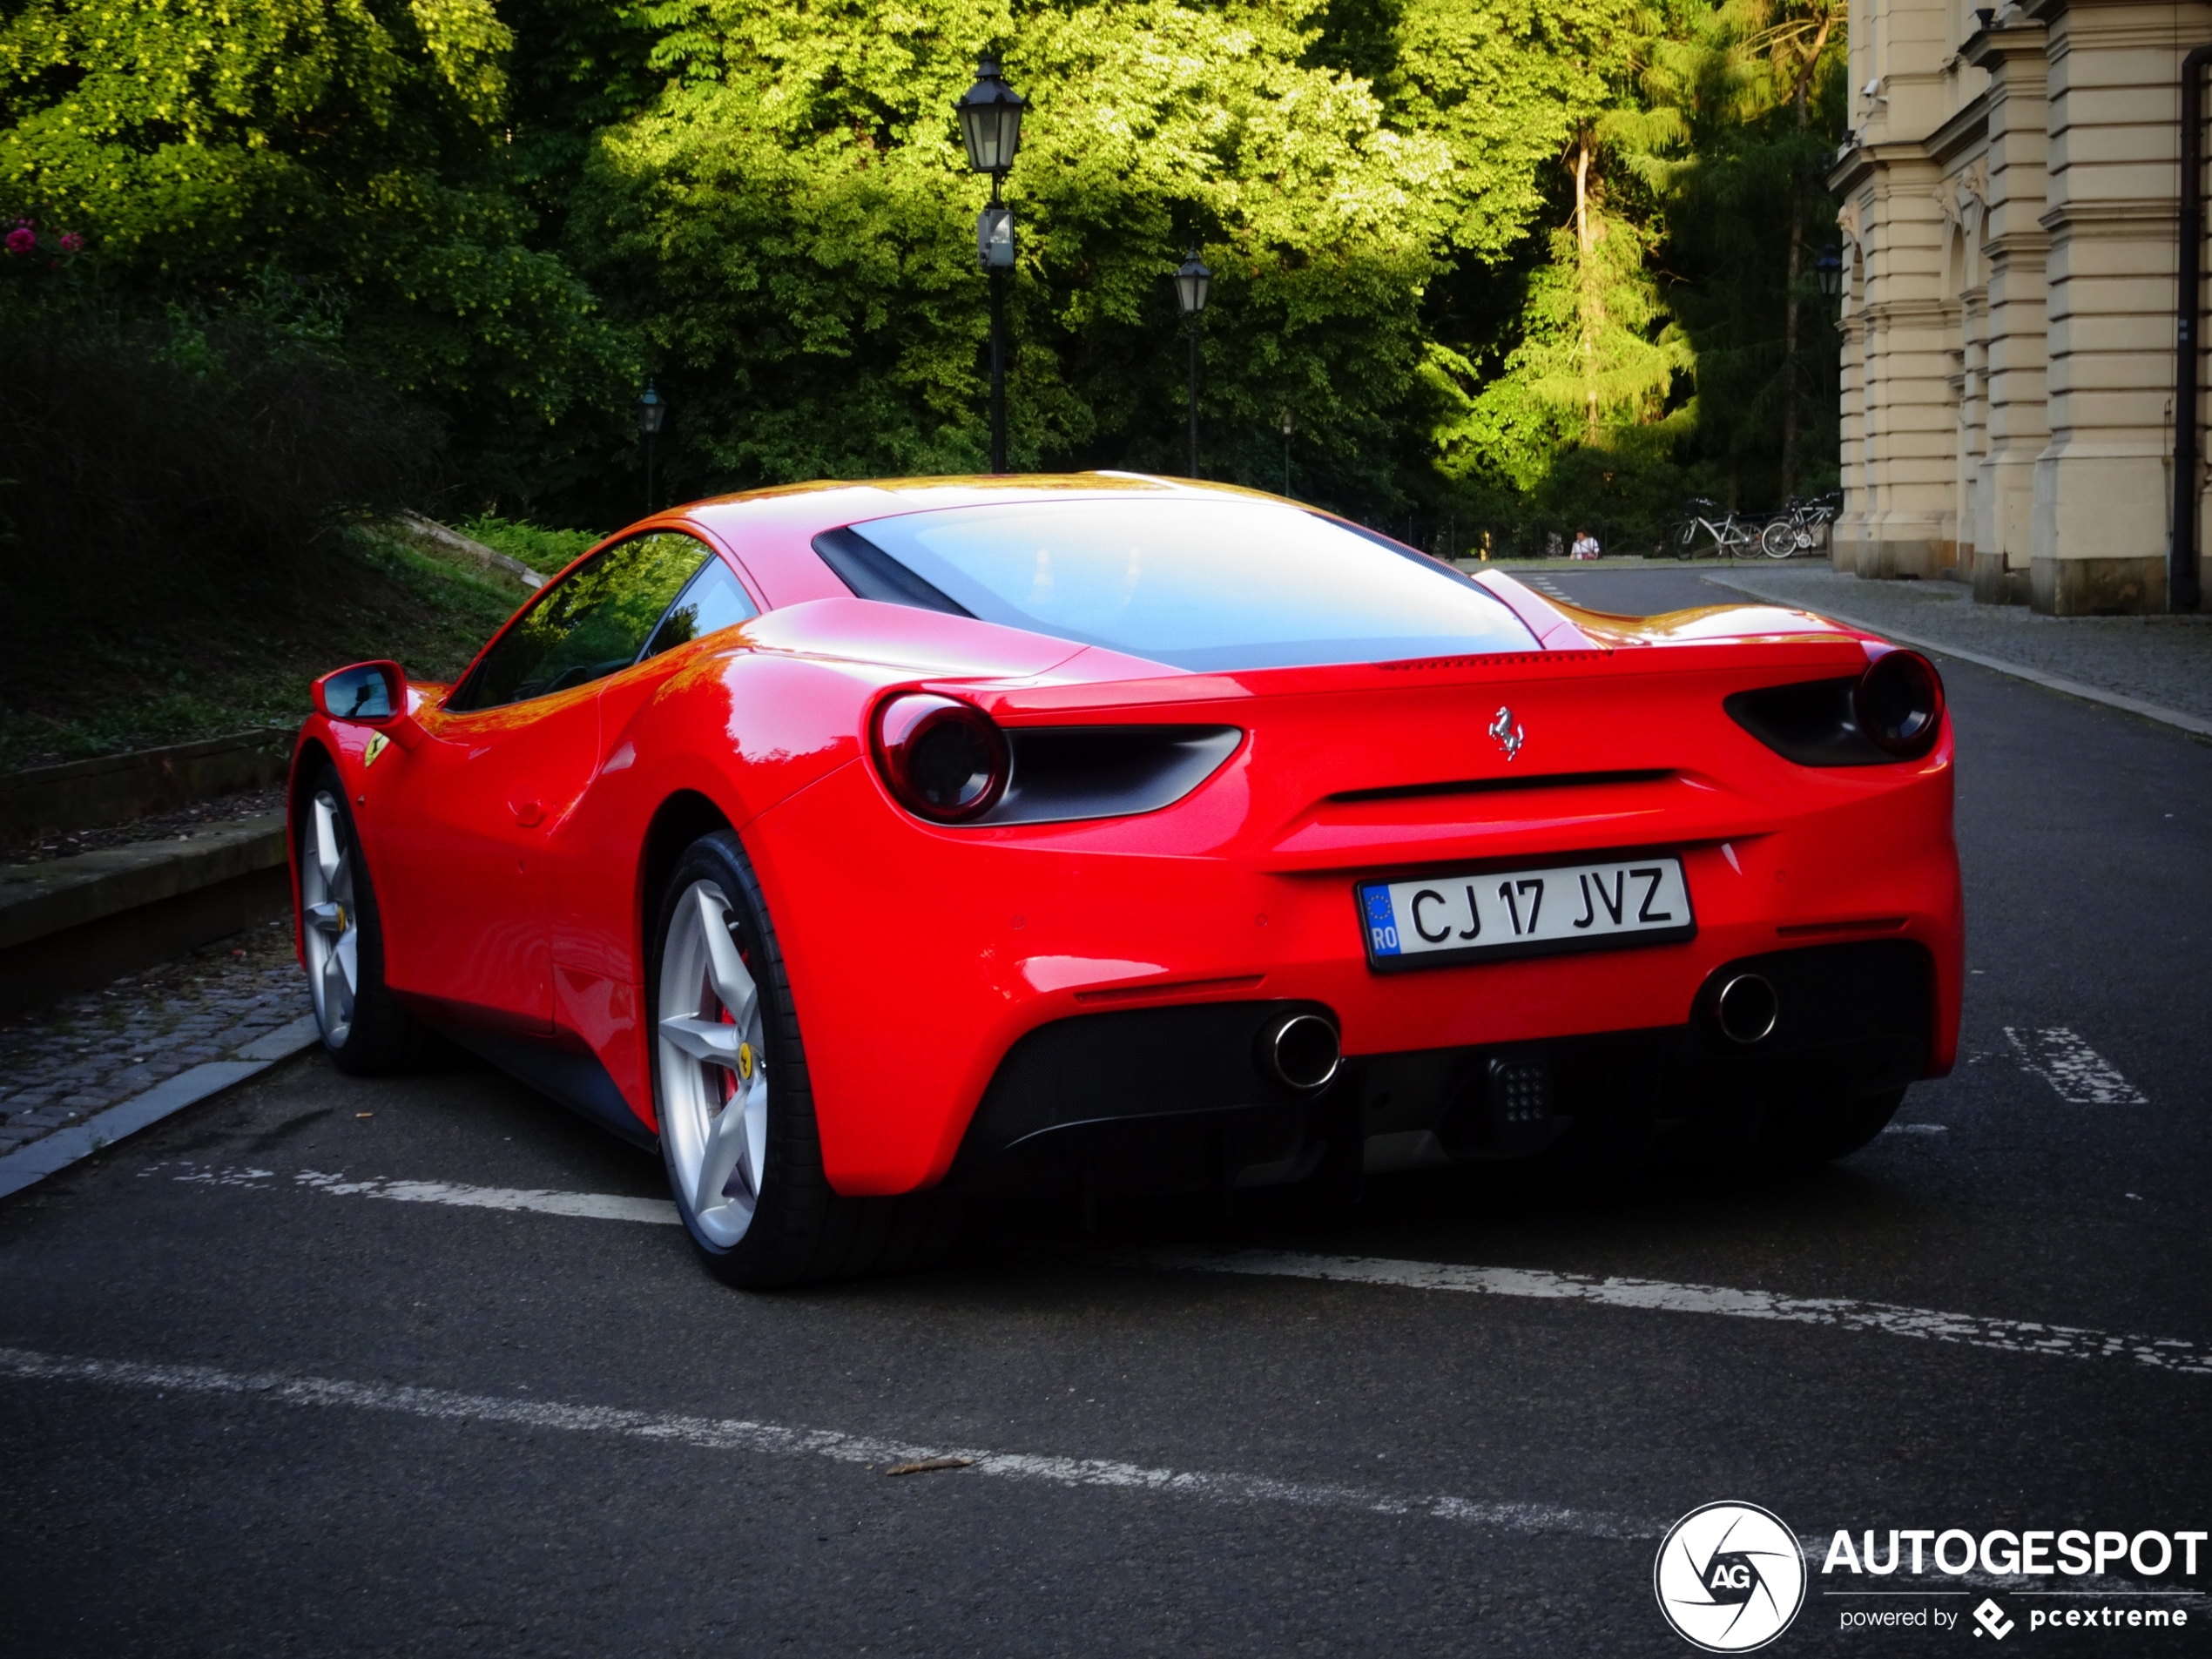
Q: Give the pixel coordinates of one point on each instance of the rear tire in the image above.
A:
(365, 1031)
(750, 1187)
(1779, 539)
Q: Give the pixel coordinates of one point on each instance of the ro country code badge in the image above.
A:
(1729, 1577)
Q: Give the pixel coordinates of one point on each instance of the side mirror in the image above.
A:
(368, 693)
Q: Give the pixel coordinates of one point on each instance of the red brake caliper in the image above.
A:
(727, 1078)
(728, 1075)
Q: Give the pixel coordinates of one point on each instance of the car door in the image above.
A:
(470, 853)
(593, 922)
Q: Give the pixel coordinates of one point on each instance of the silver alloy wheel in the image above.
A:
(713, 1070)
(332, 927)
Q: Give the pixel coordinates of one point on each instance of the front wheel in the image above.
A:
(738, 1131)
(364, 1029)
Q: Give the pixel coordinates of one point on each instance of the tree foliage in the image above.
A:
(1484, 255)
(351, 146)
(795, 214)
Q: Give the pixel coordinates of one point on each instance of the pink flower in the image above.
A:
(72, 242)
(23, 240)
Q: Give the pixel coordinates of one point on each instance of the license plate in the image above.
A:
(1492, 913)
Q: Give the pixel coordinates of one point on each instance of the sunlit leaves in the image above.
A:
(199, 145)
(795, 217)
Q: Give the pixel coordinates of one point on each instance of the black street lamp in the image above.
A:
(1830, 269)
(1193, 281)
(1286, 451)
(652, 411)
(990, 126)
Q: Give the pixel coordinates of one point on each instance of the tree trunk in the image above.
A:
(1790, 342)
(1810, 61)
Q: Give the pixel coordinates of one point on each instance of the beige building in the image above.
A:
(2010, 205)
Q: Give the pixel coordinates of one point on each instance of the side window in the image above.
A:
(715, 599)
(588, 625)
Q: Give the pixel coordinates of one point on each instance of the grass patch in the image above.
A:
(216, 663)
(545, 551)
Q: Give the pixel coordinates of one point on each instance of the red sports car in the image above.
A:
(860, 844)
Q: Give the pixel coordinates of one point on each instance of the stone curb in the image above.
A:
(37, 900)
(67, 1146)
(109, 788)
(2192, 724)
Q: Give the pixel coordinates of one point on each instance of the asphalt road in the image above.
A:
(248, 1407)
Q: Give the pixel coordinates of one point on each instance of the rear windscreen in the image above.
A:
(1197, 584)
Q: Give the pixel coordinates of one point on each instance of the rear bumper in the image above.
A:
(1173, 1100)
(921, 959)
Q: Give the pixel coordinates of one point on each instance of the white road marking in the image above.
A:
(1918, 1129)
(775, 1439)
(2082, 1076)
(591, 1206)
(1846, 1314)
(588, 1206)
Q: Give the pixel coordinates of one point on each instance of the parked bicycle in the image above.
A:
(1727, 534)
(1796, 527)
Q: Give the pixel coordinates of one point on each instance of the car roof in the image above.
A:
(920, 494)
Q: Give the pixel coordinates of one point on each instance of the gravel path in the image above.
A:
(63, 1063)
(2166, 660)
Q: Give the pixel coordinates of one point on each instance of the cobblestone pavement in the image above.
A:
(60, 1063)
(2166, 660)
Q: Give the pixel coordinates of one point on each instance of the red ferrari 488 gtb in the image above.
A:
(858, 844)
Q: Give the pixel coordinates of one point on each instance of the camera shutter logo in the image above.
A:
(1729, 1577)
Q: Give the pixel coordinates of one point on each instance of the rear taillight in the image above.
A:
(1892, 711)
(942, 759)
(1899, 701)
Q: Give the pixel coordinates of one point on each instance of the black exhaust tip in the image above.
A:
(1300, 1049)
(1747, 1009)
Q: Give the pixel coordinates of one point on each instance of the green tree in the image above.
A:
(1699, 154)
(355, 146)
(1476, 249)
(790, 223)
(1591, 351)
(1740, 114)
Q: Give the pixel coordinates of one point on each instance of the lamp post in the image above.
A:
(990, 127)
(1193, 281)
(1830, 269)
(1286, 452)
(652, 411)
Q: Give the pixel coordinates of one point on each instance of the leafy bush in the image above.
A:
(192, 146)
(545, 551)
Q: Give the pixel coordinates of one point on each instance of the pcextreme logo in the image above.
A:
(1729, 1577)
(1993, 1619)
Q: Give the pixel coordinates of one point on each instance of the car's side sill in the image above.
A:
(575, 1078)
